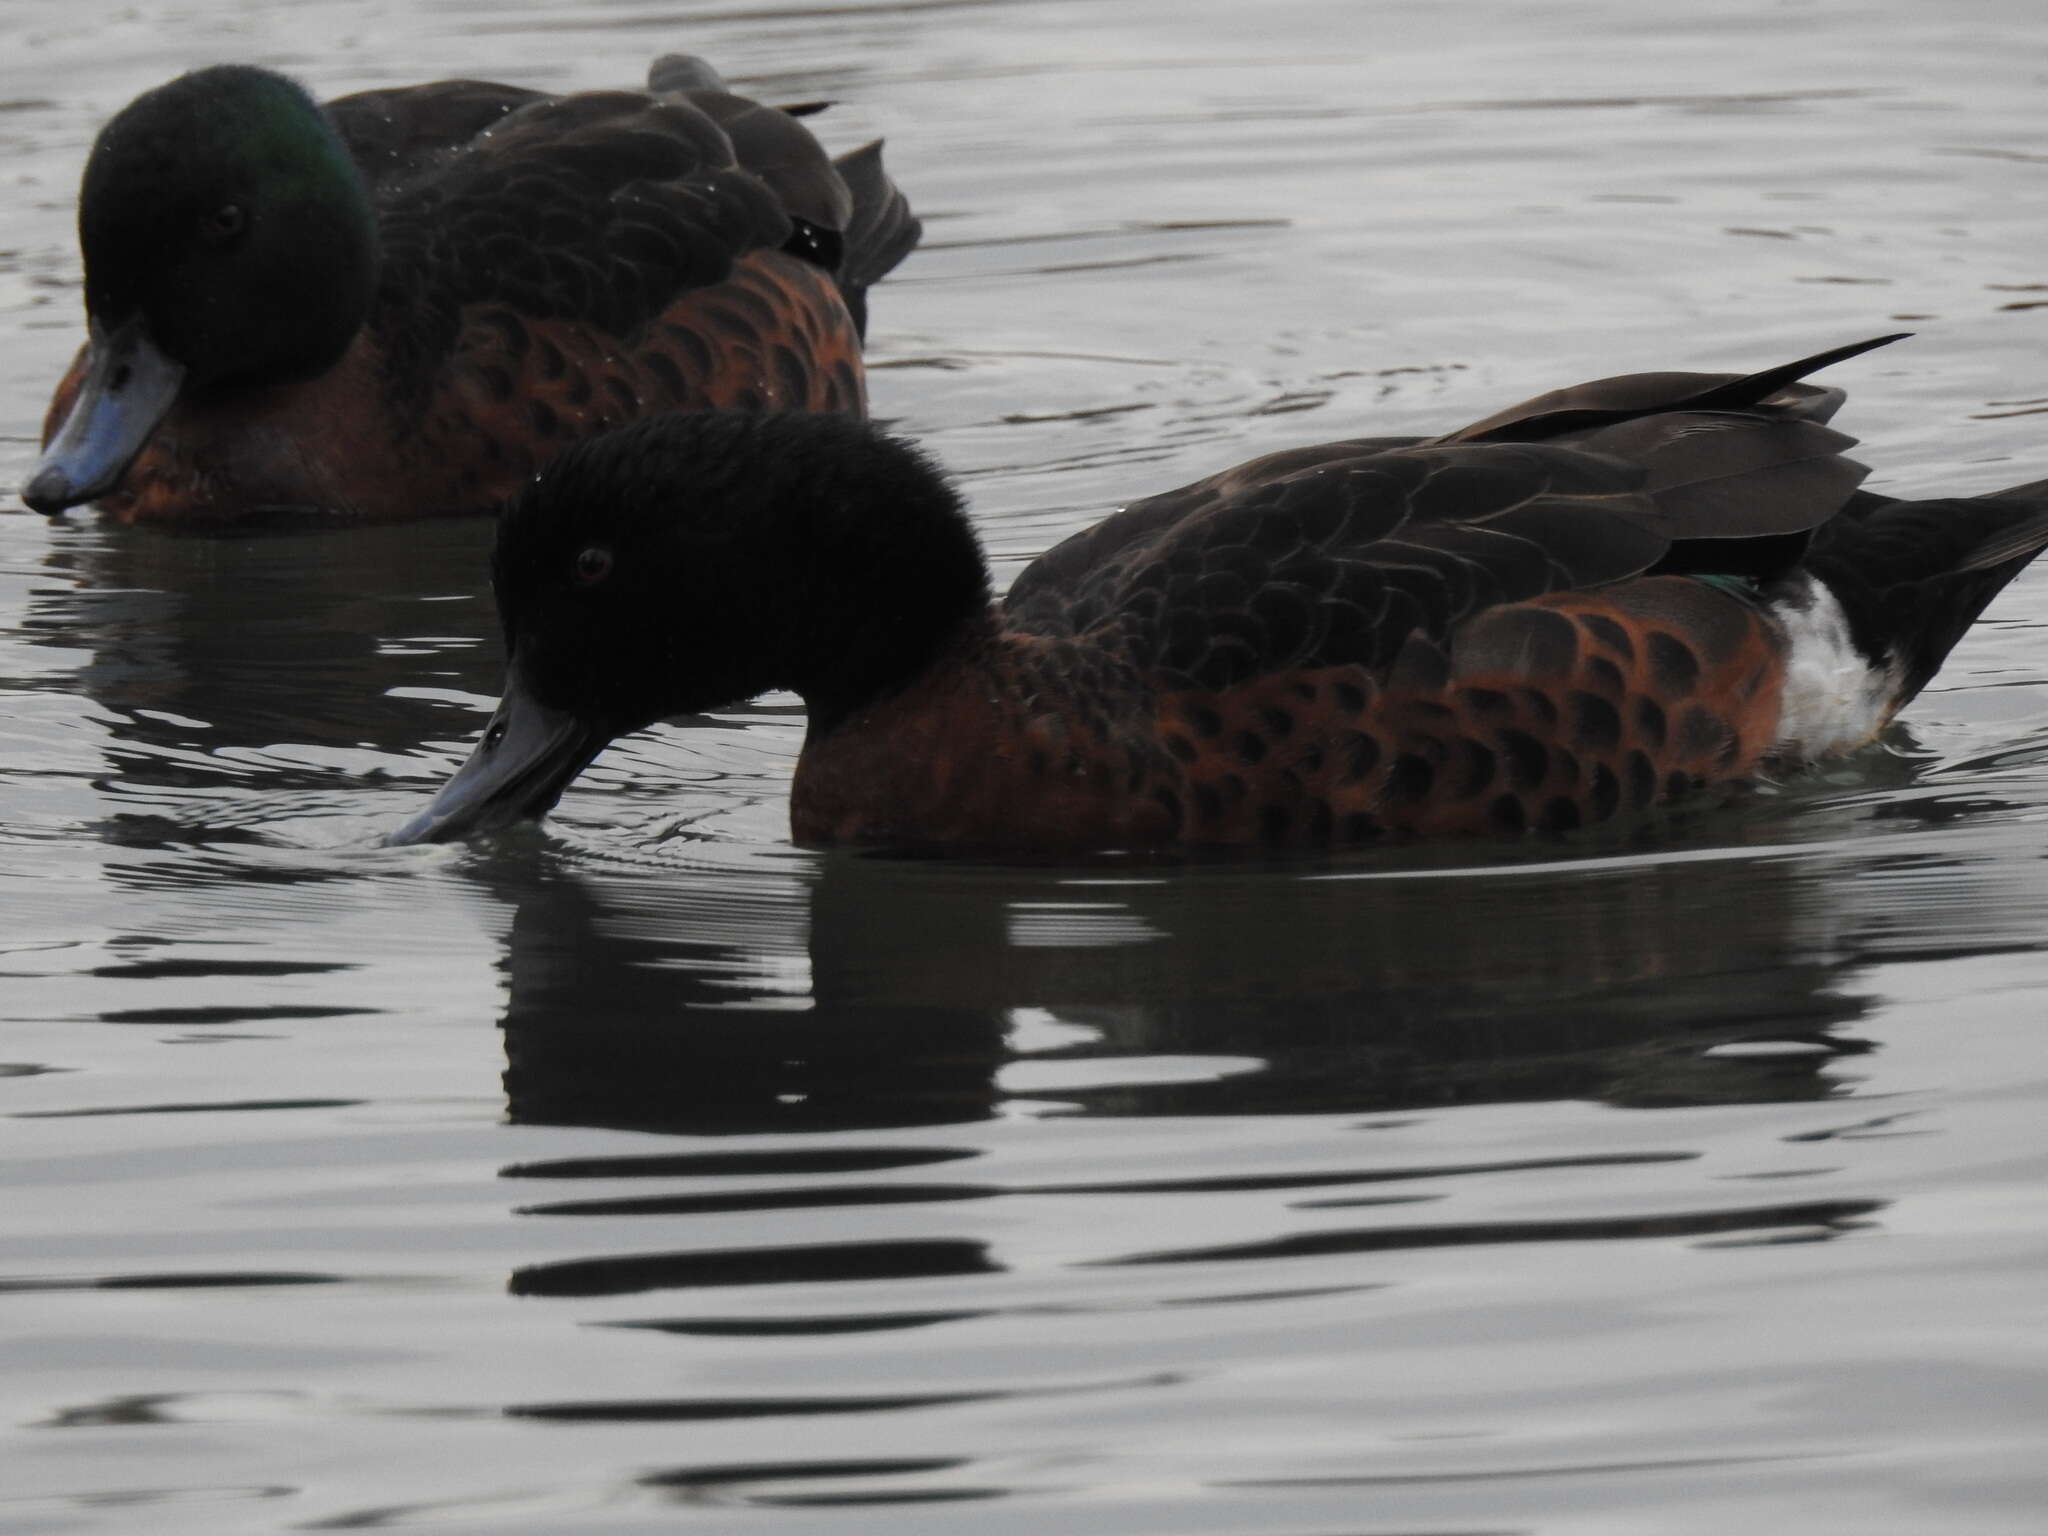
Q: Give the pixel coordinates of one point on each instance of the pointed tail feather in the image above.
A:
(1754, 388)
(2021, 542)
(2033, 490)
(1629, 397)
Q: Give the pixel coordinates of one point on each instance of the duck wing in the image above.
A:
(1047, 586)
(600, 208)
(1342, 561)
(856, 221)
(1348, 552)
(1733, 458)
(396, 133)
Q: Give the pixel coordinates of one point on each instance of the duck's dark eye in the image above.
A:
(593, 565)
(223, 223)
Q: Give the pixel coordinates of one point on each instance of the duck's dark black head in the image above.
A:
(690, 561)
(228, 241)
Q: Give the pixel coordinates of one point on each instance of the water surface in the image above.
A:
(646, 1173)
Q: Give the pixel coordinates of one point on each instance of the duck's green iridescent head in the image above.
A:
(224, 210)
(228, 240)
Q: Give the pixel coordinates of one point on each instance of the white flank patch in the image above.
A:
(1835, 698)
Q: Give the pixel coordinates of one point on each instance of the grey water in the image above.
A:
(646, 1173)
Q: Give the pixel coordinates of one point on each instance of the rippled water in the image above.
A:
(646, 1173)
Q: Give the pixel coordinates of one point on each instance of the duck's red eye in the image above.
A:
(593, 565)
(223, 222)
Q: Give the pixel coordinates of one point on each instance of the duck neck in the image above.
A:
(888, 592)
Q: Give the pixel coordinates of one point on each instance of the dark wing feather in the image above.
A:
(774, 146)
(1735, 475)
(1344, 561)
(1050, 580)
(1707, 455)
(394, 134)
(599, 208)
(683, 72)
(853, 221)
(1373, 552)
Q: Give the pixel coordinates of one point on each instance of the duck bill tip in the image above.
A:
(50, 491)
(529, 754)
(128, 387)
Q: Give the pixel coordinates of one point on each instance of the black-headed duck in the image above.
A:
(1588, 605)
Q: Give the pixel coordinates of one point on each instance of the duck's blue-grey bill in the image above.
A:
(128, 387)
(528, 756)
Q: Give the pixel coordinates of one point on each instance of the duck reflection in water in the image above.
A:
(678, 1005)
